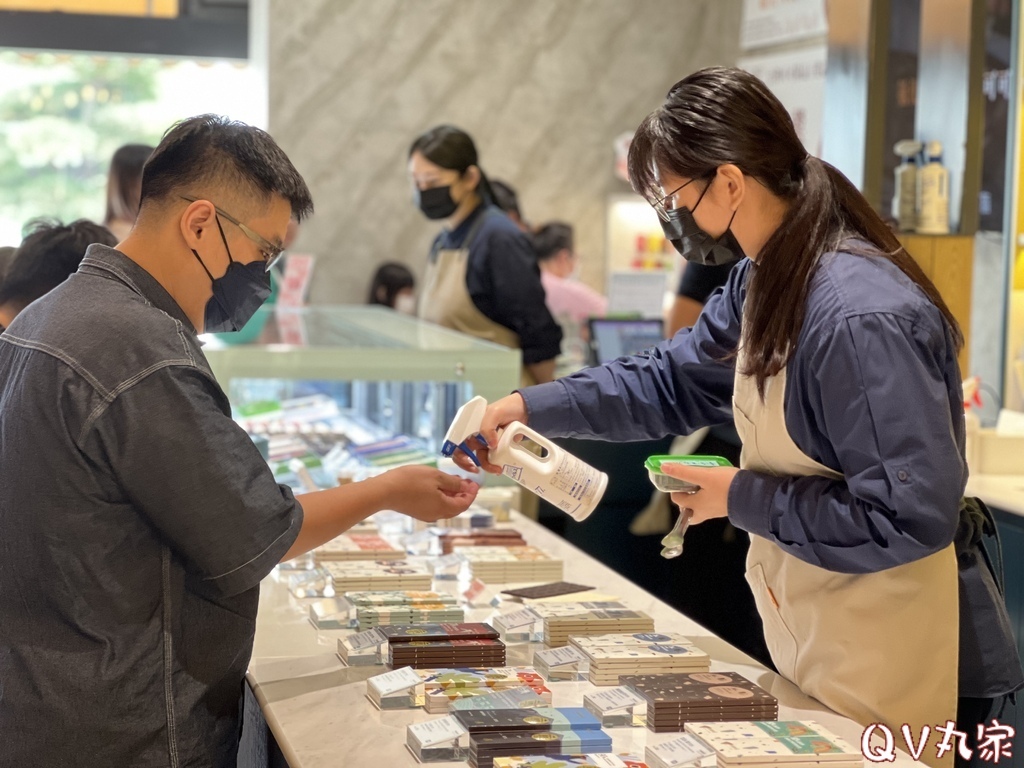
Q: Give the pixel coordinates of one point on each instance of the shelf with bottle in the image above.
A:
(653, 253)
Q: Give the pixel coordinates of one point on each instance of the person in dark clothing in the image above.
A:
(482, 276)
(48, 255)
(137, 518)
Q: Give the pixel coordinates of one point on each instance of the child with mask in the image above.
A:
(393, 286)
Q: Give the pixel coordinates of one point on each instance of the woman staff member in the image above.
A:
(482, 277)
(838, 357)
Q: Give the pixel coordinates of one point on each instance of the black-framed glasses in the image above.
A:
(659, 204)
(271, 252)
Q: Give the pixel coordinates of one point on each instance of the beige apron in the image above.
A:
(445, 300)
(879, 647)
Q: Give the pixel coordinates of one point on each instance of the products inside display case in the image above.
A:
(341, 393)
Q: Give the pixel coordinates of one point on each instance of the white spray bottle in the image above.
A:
(933, 193)
(904, 199)
(557, 476)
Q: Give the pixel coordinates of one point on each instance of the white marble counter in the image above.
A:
(1003, 491)
(318, 713)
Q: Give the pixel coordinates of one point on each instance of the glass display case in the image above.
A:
(331, 393)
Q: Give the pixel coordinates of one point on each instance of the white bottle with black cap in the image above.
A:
(933, 193)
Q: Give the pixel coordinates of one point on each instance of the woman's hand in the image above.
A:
(712, 500)
(497, 416)
(426, 493)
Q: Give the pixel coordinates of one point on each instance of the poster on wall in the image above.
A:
(773, 22)
(797, 77)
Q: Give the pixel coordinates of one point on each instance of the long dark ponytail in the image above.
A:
(719, 116)
(452, 148)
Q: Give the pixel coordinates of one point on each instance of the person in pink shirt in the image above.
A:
(565, 296)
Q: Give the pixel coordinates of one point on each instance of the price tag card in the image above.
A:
(562, 664)
(617, 707)
(434, 732)
(371, 638)
(393, 682)
(515, 619)
(558, 657)
(612, 699)
(362, 649)
(474, 590)
(685, 750)
(447, 567)
(442, 740)
(421, 542)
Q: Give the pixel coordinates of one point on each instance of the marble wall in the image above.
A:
(543, 86)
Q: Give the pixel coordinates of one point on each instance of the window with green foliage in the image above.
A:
(62, 116)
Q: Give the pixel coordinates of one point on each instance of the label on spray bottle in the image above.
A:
(558, 477)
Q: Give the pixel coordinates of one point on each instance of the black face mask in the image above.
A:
(694, 243)
(436, 203)
(237, 294)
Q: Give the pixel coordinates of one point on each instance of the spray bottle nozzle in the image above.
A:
(449, 448)
(464, 428)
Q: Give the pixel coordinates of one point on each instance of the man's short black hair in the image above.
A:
(210, 151)
(551, 238)
(48, 255)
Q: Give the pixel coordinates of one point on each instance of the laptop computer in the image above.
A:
(612, 338)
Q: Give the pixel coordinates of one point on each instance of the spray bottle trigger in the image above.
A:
(449, 448)
(469, 452)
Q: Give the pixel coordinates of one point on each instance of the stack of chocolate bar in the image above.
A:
(446, 688)
(540, 719)
(378, 575)
(426, 646)
(486, 537)
(527, 697)
(376, 608)
(399, 598)
(424, 613)
(641, 653)
(499, 565)
(606, 760)
(676, 699)
(357, 546)
(486, 746)
(796, 743)
(586, 622)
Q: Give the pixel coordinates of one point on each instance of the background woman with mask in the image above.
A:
(482, 277)
(839, 358)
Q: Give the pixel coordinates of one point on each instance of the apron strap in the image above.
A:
(470, 238)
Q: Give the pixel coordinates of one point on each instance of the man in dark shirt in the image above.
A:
(136, 518)
(49, 254)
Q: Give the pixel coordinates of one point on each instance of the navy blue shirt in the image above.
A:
(873, 391)
(136, 522)
(503, 280)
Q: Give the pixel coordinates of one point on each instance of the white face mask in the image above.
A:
(405, 303)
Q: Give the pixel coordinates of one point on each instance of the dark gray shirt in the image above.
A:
(136, 522)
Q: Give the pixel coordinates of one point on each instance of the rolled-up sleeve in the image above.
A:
(881, 391)
(673, 389)
(197, 478)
